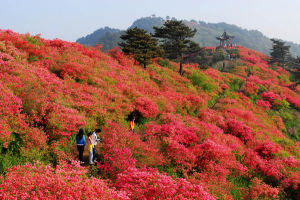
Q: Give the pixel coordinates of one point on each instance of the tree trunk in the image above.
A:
(223, 67)
(180, 64)
(144, 65)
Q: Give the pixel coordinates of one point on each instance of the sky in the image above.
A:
(72, 19)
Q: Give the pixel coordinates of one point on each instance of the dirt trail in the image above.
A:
(74, 152)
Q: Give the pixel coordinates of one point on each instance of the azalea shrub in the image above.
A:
(260, 190)
(146, 107)
(239, 130)
(150, 184)
(66, 181)
(121, 150)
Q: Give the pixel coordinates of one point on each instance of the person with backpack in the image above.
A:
(80, 141)
(95, 139)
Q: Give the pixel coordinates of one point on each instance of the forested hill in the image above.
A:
(205, 36)
(100, 36)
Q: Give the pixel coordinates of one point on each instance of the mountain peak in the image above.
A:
(205, 36)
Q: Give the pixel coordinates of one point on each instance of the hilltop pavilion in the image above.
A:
(225, 40)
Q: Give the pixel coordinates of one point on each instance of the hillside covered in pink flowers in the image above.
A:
(205, 135)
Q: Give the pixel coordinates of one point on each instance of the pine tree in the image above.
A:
(140, 44)
(192, 53)
(297, 62)
(293, 63)
(175, 42)
(280, 53)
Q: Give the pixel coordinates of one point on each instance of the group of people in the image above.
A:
(90, 142)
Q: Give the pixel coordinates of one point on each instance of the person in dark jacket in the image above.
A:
(80, 140)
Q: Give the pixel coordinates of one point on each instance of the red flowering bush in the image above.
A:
(121, 150)
(224, 86)
(116, 156)
(267, 150)
(74, 70)
(260, 190)
(294, 100)
(263, 104)
(116, 160)
(192, 104)
(213, 117)
(251, 88)
(150, 184)
(63, 122)
(271, 168)
(251, 58)
(179, 155)
(146, 107)
(10, 111)
(176, 139)
(291, 162)
(67, 181)
(209, 153)
(292, 183)
(238, 129)
(13, 121)
(270, 96)
(119, 56)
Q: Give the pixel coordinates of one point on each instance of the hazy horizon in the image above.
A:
(72, 19)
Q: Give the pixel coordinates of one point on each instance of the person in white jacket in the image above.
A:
(90, 145)
(95, 139)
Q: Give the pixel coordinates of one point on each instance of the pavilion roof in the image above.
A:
(225, 36)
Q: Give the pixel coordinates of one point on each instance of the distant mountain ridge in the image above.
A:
(205, 36)
(97, 36)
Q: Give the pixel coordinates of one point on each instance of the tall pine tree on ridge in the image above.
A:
(175, 42)
(140, 44)
(280, 53)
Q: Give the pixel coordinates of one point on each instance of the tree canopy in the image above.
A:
(174, 37)
(140, 44)
(280, 53)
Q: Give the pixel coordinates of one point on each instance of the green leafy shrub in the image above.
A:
(164, 63)
(200, 80)
(254, 98)
(11, 155)
(211, 103)
(291, 120)
(32, 58)
(33, 40)
(234, 51)
(235, 84)
(219, 55)
(240, 183)
(280, 104)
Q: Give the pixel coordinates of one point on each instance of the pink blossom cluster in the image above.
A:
(150, 184)
(146, 107)
(67, 181)
(263, 104)
(239, 129)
